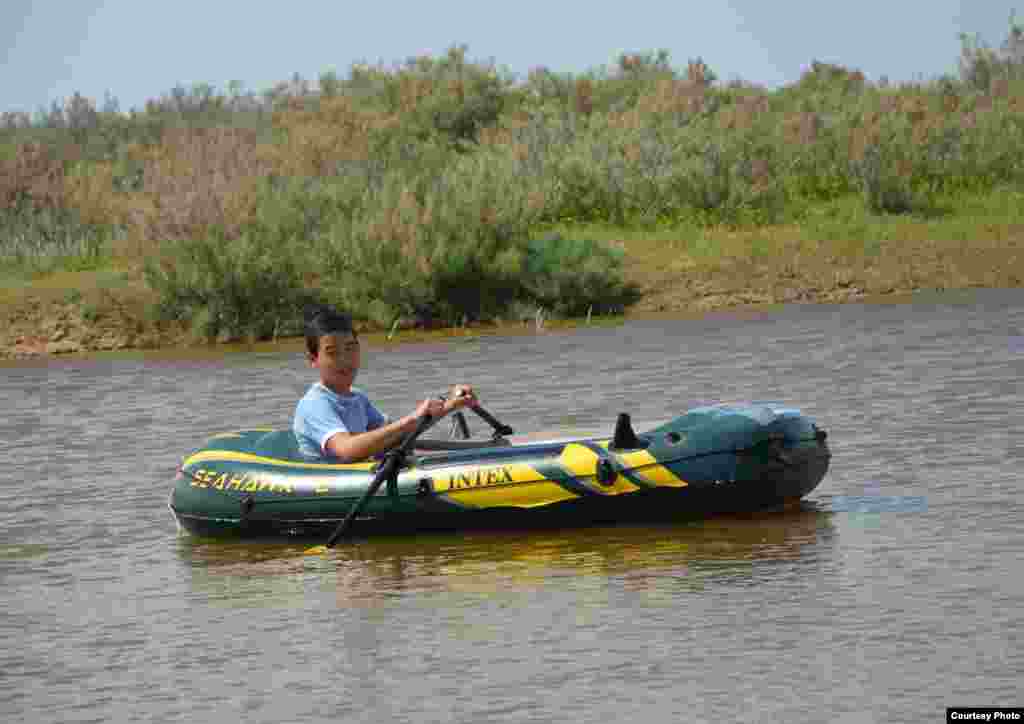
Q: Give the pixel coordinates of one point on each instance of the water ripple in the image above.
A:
(857, 604)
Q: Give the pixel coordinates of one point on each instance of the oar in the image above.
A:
(392, 461)
(499, 427)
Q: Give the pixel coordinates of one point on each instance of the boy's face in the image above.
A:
(338, 360)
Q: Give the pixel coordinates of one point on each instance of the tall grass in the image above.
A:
(427, 189)
(38, 240)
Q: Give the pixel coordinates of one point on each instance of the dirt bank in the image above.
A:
(80, 312)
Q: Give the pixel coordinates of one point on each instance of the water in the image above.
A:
(840, 611)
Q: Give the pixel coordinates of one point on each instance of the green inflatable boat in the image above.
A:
(715, 459)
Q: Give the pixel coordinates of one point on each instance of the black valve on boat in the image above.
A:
(246, 504)
(624, 437)
(605, 472)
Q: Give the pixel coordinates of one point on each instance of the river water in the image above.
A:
(895, 591)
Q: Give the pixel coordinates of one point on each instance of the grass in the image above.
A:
(839, 250)
(14, 287)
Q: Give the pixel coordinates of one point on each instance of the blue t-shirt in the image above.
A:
(322, 413)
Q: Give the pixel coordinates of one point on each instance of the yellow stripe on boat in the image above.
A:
(644, 465)
(581, 461)
(523, 495)
(511, 485)
(231, 456)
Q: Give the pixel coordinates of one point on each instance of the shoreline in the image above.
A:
(107, 311)
(172, 342)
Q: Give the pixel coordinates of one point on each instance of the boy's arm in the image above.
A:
(359, 446)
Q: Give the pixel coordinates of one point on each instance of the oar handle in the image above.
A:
(387, 468)
(499, 427)
(406, 445)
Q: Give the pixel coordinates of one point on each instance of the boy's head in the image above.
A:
(332, 347)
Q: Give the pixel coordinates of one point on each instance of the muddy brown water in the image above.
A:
(894, 592)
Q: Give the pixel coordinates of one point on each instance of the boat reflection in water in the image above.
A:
(649, 557)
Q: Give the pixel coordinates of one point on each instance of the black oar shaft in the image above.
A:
(358, 507)
(499, 427)
(387, 469)
(463, 427)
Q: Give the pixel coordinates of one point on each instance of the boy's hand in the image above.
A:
(460, 396)
(433, 407)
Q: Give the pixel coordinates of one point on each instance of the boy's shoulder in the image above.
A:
(317, 392)
(312, 393)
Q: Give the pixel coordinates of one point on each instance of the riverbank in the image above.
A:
(839, 255)
(448, 189)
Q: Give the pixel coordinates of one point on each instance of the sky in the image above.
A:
(139, 49)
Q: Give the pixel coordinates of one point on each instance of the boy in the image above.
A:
(334, 421)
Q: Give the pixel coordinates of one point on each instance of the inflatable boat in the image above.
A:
(715, 459)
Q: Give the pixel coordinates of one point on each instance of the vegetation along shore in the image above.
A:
(444, 192)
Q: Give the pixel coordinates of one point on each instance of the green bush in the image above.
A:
(651, 173)
(439, 247)
(571, 276)
(450, 96)
(251, 286)
(458, 246)
(885, 190)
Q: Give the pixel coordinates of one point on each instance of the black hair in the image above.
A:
(323, 320)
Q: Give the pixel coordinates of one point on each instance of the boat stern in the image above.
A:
(744, 456)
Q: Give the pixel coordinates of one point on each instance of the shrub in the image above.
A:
(631, 171)
(450, 96)
(249, 286)
(981, 66)
(569, 276)
(436, 247)
(458, 246)
(203, 179)
(885, 185)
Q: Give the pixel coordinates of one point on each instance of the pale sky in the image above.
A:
(139, 49)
